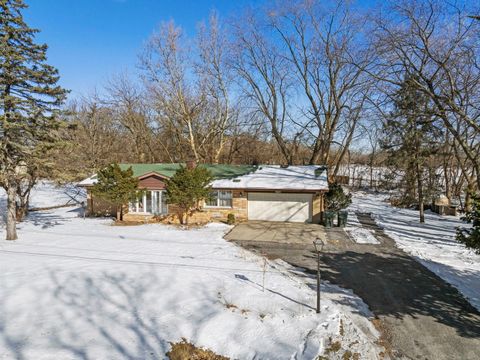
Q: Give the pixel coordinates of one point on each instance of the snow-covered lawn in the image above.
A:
(432, 243)
(83, 289)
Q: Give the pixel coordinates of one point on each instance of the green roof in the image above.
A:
(218, 171)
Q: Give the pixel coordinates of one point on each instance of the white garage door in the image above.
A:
(280, 207)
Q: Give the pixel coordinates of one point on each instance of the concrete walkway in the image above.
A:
(419, 314)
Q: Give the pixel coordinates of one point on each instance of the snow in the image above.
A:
(274, 177)
(75, 288)
(357, 233)
(361, 235)
(432, 243)
(267, 177)
(92, 180)
(47, 194)
(359, 175)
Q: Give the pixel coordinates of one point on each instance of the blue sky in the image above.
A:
(89, 40)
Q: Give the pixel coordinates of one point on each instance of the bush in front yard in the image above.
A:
(184, 350)
(471, 237)
(116, 186)
(231, 219)
(186, 189)
(336, 199)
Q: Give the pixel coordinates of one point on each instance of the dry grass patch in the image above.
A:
(348, 355)
(335, 350)
(184, 350)
(231, 306)
(385, 339)
(128, 223)
(333, 347)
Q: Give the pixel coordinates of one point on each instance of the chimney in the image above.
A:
(191, 164)
(319, 170)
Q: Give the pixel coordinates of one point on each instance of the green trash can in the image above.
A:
(342, 218)
(328, 217)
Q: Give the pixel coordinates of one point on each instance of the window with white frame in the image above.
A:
(150, 202)
(220, 198)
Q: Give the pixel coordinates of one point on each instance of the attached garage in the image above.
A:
(276, 206)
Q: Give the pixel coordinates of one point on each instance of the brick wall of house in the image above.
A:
(196, 217)
(133, 217)
(203, 215)
(239, 208)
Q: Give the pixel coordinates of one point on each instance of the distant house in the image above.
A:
(266, 192)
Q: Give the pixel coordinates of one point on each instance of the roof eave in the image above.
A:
(269, 189)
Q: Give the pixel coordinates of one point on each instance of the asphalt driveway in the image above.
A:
(420, 315)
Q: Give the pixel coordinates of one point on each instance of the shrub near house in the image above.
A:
(116, 186)
(336, 199)
(187, 188)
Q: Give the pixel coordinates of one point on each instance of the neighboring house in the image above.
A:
(266, 192)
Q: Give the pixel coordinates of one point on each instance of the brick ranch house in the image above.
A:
(266, 192)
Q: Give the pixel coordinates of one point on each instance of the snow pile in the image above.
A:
(77, 289)
(357, 233)
(361, 235)
(432, 243)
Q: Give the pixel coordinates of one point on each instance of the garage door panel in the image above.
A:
(293, 207)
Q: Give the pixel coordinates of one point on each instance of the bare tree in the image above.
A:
(324, 49)
(214, 72)
(91, 141)
(371, 132)
(190, 88)
(127, 103)
(265, 78)
(437, 44)
(302, 64)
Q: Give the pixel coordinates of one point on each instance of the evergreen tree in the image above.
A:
(470, 237)
(187, 188)
(117, 186)
(410, 139)
(336, 199)
(29, 101)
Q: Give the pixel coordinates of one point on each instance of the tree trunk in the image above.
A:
(180, 215)
(11, 212)
(468, 195)
(22, 205)
(446, 178)
(371, 170)
(21, 212)
(420, 194)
